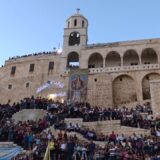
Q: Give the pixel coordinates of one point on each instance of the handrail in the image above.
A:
(47, 154)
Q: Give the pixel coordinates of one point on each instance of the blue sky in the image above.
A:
(28, 26)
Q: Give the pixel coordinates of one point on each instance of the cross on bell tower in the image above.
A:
(78, 10)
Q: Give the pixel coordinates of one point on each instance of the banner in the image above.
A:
(78, 80)
(48, 85)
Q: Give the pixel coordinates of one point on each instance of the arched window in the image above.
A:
(74, 39)
(113, 59)
(75, 22)
(95, 61)
(68, 24)
(83, 23)
(130, 57)
(149, 56)
(73, 60)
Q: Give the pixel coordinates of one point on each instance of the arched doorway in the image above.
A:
(130, 57)
(95, 61)
(146, 84)
(149, 56)
(73, 60)
(124, 90)
(113, 59)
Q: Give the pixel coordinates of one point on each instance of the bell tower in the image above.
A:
(75, 39)
(75, 33)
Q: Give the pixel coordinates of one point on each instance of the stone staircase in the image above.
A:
(29, 114)
(79, 136)
(106, 127)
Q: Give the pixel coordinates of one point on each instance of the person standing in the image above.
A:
(91, 150)
(70, 149)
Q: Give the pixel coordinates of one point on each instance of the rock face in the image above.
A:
(29, 114)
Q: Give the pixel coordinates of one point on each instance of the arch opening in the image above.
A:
(82, 23)
(146, 84)
(130, 57)
(124, 90)
(113, 59)
(74, 39)
(75, 22)
(95, 61)
(73, 60)
(149, 56)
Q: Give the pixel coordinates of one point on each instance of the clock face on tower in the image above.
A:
(74, 39)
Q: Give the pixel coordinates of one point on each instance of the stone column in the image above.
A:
(104, 62)
(140, 60)
(121, 60)
(155, 97)
(139, 56)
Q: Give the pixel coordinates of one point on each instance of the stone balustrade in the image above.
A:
(121, 68)
(124, 68)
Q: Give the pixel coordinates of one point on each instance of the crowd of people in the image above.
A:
(32, 137)
(138, 116)
(34, 54)
(117, 147)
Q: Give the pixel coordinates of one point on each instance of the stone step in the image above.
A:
(106, 127)
(79, 136)
(29, 114)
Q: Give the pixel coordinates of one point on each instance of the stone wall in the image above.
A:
(124, 90)
(106, 127)
(105, 88)
(100, 90)
(155, 97)
(146, 86)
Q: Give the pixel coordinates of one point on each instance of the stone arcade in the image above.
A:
(118, 72)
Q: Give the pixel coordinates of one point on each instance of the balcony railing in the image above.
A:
(122, 68)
